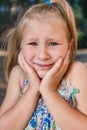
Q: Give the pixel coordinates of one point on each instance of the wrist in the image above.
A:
(48, 90)
(45, 92)
(48, 95)
(34, 92)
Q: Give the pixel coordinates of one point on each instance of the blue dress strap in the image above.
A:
(25, 82)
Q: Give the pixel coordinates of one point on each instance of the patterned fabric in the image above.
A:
(68, 93)
(41, 118)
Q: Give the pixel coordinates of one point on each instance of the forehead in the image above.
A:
(44, 29)
(48, 17)
(46, 20)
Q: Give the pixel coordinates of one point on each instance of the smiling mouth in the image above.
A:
(43, 66)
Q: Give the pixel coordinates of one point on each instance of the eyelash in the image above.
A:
(50, 44)
(53, 44)
(32, 43)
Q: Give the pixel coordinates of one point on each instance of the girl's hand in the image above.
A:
(34, 81)
(53, 77)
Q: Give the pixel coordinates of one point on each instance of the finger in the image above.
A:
(27, 67)
(24, 64)
(31, 73)
(56, 67)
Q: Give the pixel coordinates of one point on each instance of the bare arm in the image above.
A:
(16, 111)
(17, 117)
(67, 117)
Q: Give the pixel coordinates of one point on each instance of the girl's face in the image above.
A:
(43, 43)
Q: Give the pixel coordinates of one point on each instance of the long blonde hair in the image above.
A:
(58, 8)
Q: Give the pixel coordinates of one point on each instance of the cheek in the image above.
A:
(59, 53)
(27, 54)
(63, 53)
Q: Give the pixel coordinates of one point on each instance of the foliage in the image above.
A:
(81, 21)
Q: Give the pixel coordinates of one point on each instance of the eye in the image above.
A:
(32, 43)
(53, 44)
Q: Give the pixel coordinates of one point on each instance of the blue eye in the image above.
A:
(32, 43)
(53, 44)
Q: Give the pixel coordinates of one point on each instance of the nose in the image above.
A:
(43, 54)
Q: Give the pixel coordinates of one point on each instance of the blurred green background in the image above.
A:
(9, 10)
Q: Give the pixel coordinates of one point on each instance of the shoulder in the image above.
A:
(17, 70)
(78, 79)
(17, 75)
(14, 86)
(78, 71)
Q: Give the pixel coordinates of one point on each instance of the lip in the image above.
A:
(43, 66)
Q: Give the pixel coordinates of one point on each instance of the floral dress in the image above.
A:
(41, 118)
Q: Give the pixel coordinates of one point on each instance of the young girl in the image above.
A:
(46, 88)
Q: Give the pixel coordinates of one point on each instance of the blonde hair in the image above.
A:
(58, 8)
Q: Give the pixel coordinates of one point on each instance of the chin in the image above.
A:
(42, 74)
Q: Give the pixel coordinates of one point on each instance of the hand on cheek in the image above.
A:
(34, 81)
(53, 77)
